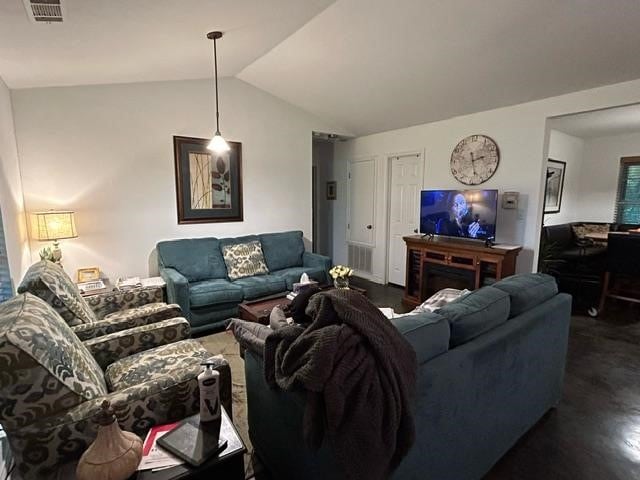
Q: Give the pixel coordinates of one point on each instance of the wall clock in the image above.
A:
(475, 159)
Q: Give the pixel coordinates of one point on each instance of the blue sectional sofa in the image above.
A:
(197, 280)
(490, 365)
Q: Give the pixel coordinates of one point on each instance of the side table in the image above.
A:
(227, 465)
(155, 282)
(145, 283)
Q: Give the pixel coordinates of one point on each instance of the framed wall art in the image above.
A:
(208, 185)
(331, 190)
(554, 186)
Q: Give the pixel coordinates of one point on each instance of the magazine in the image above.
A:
(155, 457)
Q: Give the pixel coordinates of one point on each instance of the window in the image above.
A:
(628, 199)
(5, 277)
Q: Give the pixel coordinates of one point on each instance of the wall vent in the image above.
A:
(360, 258)
(44, 11)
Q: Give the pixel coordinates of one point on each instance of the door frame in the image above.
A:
(367, 158)
(314, 208)
(387, 198)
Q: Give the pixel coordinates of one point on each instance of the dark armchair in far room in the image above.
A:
(569, 246)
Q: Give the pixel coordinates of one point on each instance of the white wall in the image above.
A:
(599, 180)
(569, 149)
(11, 198)
(522, 136)
(106, 152)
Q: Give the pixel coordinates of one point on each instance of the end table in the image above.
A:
(228, 464)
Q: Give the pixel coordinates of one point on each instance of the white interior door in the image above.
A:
(404, 210)
(362, 181)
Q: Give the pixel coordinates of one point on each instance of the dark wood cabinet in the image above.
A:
(440, 262)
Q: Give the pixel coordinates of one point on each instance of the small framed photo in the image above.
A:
(331, 190)
(554, 186)
(88, 274)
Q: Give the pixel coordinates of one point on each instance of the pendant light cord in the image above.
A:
(215, 73)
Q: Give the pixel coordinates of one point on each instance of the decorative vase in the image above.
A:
(341, 282)
(114, 454)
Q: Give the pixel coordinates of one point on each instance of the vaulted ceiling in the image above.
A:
(119, 41)
(375, 65)
(367, 65)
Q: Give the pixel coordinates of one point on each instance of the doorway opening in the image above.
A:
(592, 190)
(323, 191)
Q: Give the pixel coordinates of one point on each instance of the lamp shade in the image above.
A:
(218, 144)
(53, 225)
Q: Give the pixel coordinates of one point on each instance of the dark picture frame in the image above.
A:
(332, 190)
(554, 186)
(208, 186)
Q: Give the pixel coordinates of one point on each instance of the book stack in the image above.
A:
(128, 283)
(154, 457)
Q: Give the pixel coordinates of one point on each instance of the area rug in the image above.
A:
(225, 344)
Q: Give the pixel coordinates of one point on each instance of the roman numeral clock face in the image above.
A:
(475, 159)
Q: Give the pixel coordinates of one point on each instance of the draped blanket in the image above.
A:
(359, 373)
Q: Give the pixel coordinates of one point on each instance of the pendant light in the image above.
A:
(218, 144)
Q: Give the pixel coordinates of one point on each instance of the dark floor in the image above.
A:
(382, 295)
(594, 433)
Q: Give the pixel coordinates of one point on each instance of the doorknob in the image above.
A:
(369, 227)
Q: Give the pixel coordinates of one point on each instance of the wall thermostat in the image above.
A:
(510, 200)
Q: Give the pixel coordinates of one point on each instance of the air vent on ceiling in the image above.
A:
(44, 11)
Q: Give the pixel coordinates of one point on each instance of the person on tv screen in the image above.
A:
(461, 222)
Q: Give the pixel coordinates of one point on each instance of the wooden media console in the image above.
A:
(434, 263)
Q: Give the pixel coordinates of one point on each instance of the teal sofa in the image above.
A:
(490, 365)
(197, 279)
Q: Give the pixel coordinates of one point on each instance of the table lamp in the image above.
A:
(52, 226)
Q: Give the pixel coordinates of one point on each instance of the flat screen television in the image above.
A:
(459, 213)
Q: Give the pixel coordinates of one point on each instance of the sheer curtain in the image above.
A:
(6, 290)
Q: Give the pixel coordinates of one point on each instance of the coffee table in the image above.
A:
(258, 310)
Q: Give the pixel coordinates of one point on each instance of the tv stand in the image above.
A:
(435, 263)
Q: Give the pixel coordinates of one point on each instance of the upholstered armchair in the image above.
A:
(99, 314)
(52, 383)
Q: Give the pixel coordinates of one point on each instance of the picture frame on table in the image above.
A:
(208, 185)
(554, 186)
(90, 274)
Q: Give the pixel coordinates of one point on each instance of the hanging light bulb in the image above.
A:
(218, 144)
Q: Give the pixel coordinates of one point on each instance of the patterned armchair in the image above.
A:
(99, 314)
(52, 383)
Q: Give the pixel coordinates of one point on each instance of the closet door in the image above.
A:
(362, 199)
(405, 180)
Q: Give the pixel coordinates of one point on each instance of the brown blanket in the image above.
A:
(359, 373)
